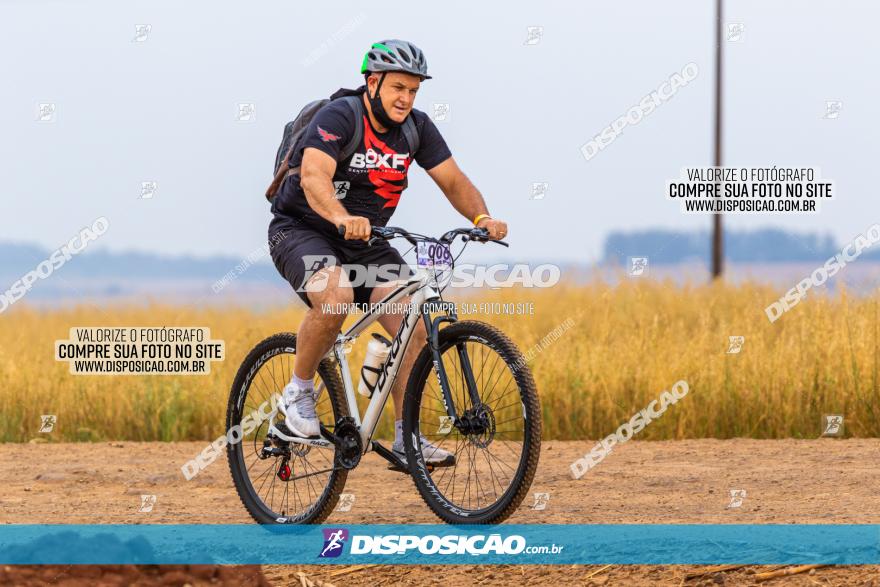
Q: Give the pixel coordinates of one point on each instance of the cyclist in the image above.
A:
(308, 209)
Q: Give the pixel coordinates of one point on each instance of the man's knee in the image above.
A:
(334, 289)
(342, 294)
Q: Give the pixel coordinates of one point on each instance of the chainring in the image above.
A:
(350, 449)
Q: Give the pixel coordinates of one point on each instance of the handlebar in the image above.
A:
(389, 232)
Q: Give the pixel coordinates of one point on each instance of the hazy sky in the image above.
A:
(165, 110)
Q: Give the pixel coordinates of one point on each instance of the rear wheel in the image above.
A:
(497, 439)
(281, 482)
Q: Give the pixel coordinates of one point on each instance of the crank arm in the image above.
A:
(396, 463)
(331, 438)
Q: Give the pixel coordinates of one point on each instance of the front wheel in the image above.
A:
(496, 440)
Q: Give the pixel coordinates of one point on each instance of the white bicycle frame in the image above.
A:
(420, 288)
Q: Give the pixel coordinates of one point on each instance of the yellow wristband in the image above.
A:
(480, 217)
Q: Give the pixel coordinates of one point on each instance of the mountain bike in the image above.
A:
(470, 392)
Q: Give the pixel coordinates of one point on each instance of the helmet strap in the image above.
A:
(378, 109)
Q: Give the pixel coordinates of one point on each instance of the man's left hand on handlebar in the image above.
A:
(497, 228)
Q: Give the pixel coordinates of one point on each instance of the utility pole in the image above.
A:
(717, 241)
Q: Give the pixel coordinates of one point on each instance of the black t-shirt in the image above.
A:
(371, 181)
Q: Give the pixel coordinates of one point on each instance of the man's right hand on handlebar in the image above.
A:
(356, 227)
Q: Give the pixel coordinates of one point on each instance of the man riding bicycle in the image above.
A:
(357, 192)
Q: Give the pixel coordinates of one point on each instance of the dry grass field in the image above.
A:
(626, 344)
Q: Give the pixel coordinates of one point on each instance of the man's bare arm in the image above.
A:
(465, 197)
(316, 179)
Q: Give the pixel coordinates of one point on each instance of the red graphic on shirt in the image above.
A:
(327, 136)
(389, 181)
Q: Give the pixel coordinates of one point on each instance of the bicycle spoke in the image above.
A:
(298, 497)
(516, 403)
(476, 478)
(270, 470)
(309, 479)
(499, 461)
(494, 385)
(256, 460)
(493, 478)
(455, 467)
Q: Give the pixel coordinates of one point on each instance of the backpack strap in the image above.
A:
(280, 174)
(357, 106)
(412, 134)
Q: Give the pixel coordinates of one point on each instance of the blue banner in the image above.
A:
(648, 544)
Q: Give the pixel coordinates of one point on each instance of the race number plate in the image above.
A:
(433, 255)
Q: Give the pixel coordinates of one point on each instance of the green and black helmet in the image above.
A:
(396, 55)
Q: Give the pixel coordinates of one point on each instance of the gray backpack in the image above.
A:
(294, 130)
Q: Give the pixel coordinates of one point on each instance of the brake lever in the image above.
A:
(484, 240)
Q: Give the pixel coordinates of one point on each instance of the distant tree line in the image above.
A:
(769, 245)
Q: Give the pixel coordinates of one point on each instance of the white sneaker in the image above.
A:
(299, 411)
(433, 455)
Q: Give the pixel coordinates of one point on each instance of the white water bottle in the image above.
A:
(377, 351)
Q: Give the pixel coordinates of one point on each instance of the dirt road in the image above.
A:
(786, 481)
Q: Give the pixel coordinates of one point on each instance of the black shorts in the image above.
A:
(299, 251)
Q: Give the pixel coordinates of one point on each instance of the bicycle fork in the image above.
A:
(463, 422)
